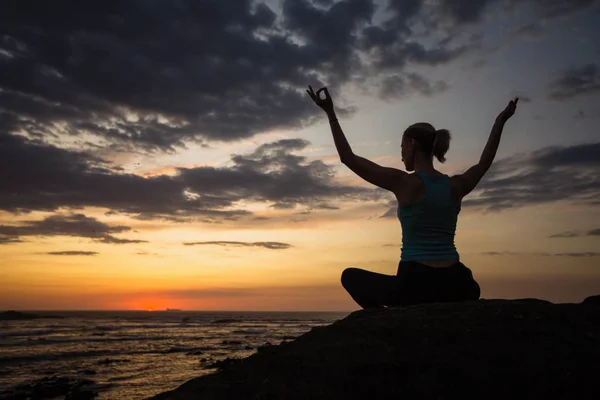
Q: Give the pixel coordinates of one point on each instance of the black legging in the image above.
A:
(413, 284)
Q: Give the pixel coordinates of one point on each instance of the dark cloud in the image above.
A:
(565, 235)
(72, 253)
(546, 175)
(574, 82)
(42, 177)
(156, 75)
(571, 234)
(396, 86)
(266, 245)
(554, 9)
(77, 225)
(5, 239)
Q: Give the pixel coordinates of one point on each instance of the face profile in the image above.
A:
(407, 151)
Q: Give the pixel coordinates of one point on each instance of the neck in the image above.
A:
(424, 165)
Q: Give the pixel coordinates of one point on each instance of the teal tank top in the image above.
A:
(429, 225)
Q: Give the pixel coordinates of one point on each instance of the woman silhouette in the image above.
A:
(428, 206)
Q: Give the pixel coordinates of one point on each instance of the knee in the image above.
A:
(476, 291)
(348, 277)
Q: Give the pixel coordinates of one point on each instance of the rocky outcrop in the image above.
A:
(487, 349)
(17, 315)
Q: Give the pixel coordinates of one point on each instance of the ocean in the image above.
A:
(131, 355)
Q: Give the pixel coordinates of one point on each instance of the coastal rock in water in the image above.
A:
(52, 387)
(487, 349)
(17, 315)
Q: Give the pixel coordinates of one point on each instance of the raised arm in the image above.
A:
(384, 177)
(473, 175)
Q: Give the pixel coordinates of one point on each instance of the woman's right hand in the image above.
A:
(326, 104)
(509, 111)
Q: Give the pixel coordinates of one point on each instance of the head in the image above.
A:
(422, 142)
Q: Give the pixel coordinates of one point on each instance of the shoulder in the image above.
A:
(456, 185)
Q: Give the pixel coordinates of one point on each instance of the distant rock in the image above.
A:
(231, 342)
(110, 361)
(53, 387)
(17, 315)
(487, 349)
(226, 321)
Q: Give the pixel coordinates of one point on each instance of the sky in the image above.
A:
(165, 154)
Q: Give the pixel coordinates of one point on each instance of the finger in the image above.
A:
(327, 93)
(318, 93)
(310, 94)
(516, 101)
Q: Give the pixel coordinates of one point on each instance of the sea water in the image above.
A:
(137, 354)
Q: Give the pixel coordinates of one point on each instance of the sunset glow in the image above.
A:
(176, 172)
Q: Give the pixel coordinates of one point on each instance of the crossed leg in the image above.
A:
(370, 289)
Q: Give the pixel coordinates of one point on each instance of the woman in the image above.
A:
(428, 205)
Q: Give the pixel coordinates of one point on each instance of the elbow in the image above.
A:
(346, 158)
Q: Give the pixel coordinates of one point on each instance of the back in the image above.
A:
(429, 225)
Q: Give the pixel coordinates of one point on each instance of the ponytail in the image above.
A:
(441, 143)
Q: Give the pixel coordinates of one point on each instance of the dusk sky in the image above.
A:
(162, 154)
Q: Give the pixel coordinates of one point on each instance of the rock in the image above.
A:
(231, 342)
(52, 387)
(88, 372)
(592, 300)
(488, 349)
(109, 361)
(222, 364)
(226, 321)
(17, 315)
(81, 395)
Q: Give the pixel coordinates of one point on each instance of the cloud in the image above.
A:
(5, 239)
(554, 9)
(548, 11)
(565, 235)
(543, 254)
(77, 225)
(72, 253)
(397, 86)
(532, 31)
(547, 175)
(266, 245)
(42, 177)
(572, 234)
(575, 82)
(158, 75)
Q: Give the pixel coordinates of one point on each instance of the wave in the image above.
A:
(249, 332)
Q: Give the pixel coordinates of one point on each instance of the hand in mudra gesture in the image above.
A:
(509, 111)
(326, 104)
